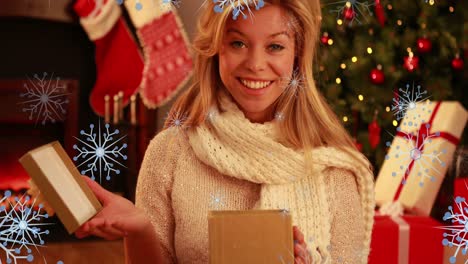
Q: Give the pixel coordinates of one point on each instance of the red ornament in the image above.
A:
(411, 63)
(348, 13)
(358, 145)
(324, 39)
(377, 76)
(424, 45)
(457, 63)
(379, 11)
(374, 132)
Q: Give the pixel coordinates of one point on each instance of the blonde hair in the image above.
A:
(309, 121)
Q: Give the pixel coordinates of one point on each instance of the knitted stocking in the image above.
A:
(118, 61)
(168, 64)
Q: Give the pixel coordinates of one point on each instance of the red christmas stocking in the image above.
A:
(118, 61)
(168, 64)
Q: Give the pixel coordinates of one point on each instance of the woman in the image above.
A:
(227, 150)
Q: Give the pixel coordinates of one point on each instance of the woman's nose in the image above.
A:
(256, 60)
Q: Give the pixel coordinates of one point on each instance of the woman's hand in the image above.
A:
(118, 218)
(301, 254)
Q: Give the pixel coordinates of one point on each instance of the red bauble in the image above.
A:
(424, 45)
(348, 13)
(411, 63)
(457, 63)
(324, 39)
(358, 145)
(374, 134)
(377, 76)
(379, 11)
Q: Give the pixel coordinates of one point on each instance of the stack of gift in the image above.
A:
(460, 168)
(409, 181)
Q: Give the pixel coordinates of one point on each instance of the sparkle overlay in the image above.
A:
(20, 228)
(358, 8)
(296, 82)
(216, 202)
(178, 120)
(425, 156)
(239, 7)
(100, 152)
(407, 101)
(212, 114)
(279, 116)
(457, 233)
(45, 98)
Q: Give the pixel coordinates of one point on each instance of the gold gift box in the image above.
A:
(430, 157)
(250, 237)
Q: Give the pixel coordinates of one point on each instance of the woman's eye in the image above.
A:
(276, 47)
(237, 44)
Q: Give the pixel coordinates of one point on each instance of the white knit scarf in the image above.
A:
(250, 151)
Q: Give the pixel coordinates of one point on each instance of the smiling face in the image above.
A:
(254, 59)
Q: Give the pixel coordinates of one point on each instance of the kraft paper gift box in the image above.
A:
(250, 237)
(61, 184)
(406, 240)
(417, 160)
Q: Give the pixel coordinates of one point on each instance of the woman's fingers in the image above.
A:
(298, 234)
(104, 228)
(102, 194)
(301, 254)
(300, 248)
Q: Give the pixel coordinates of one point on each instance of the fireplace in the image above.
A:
(26, 121)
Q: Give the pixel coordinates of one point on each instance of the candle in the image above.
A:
(133, 109)
(121, 108)
(116, 109)
(107, 109)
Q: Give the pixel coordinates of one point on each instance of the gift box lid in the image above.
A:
(253, 236)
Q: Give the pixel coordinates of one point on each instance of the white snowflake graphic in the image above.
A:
(20, 228)
(408, 101)
(424, 155)
(45, 98)
(138, 5)
(176, 3)
(457, 233)
(239, 7)
(100, 152)
(357, 9)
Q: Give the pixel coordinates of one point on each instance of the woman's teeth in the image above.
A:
(255, 84)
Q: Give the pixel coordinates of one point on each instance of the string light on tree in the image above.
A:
(411, 62)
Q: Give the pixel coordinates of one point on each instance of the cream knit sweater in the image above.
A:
(180, 182)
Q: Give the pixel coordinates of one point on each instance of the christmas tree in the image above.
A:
(374, 55)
